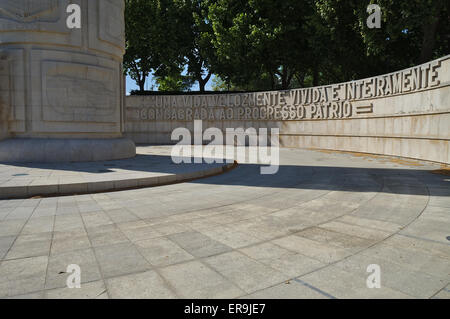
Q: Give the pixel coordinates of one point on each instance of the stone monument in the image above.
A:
(62, 87)
(405, 113)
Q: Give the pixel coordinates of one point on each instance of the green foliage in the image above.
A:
(411, 32)
(266, 44)
(219, 85)
(153, 38)
(199, 54)
(173, 80)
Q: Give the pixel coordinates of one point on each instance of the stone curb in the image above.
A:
(23, 192)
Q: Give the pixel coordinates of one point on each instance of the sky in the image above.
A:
(131, 85)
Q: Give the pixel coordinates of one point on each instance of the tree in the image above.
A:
(414, 31)
(261, 38)
(154, 38)
(199, 54)
(174, 80)
(266, 44)
(411, 32)
(339, 49)
(139, 59)
(237, 60)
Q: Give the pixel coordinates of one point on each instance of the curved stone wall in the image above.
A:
(404, 113)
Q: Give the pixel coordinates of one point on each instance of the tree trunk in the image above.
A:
(272, 81)
(289, 80)
(429, 33)
(315, 76)
(284, 80)
(202, 82)
(429, 39)
(201, 86)
(141, 85)
(140, 77)
(300, 79)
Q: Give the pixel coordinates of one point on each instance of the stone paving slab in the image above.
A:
(152, 166)
(310, 231)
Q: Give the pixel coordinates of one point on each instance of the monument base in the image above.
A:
(65, 150)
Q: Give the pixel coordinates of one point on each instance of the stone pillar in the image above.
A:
(61, 89)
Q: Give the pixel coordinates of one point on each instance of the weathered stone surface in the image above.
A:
(63, 150)
(149, 168)
(404, 113)
(240, 234)
(61, 83)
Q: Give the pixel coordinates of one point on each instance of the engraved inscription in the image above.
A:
(335, 101)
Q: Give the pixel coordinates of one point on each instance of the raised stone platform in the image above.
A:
(65, 150)
(152, 166)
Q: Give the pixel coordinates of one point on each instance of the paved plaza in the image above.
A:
(310, 231)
